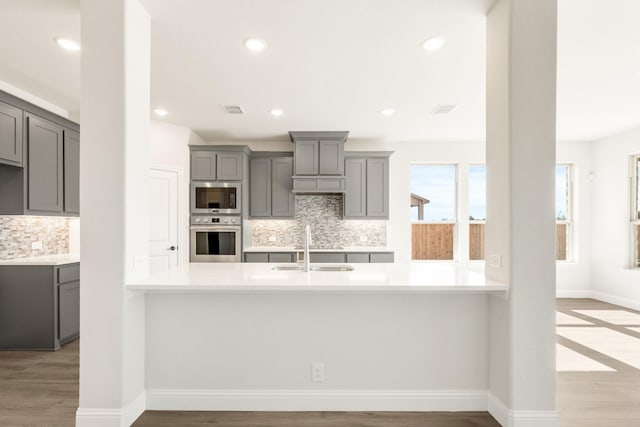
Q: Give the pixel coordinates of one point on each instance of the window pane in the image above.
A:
(478, 192)
(562, 234)
(562, 192)
(636, 246)
(433, 193)
(476, 241)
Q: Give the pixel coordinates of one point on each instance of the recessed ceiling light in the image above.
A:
(276, 112)
(161, 112)
(388, 111)
(433, 43)
(254, 44)
(67, 44)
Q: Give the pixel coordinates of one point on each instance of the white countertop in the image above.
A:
(298, 249)
(59, 259)
(365, 278)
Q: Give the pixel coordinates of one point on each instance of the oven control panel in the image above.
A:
(215, 220)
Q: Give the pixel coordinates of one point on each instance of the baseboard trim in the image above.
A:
(515, 418)
(613, 299)
(574, 293)
(316, 400)
(112, 417)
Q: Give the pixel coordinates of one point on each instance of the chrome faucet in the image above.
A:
(307, 243)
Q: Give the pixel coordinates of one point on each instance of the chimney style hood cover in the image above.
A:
(318, 162)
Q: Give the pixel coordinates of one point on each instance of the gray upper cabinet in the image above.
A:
(282, 200)
(10, 135)
(203, 165)
(260, 188)
(210, 165)
(367, 194)
(318, 153)
(306, 155)
(355, 199)
(378, 188)
(47, 147)
(229, 166)
(45, 165)
(331, 159)
(71, 171)
(270, 188)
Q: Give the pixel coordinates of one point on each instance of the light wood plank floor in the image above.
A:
(41, 389)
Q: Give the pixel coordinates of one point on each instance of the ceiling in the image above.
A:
(335, 64)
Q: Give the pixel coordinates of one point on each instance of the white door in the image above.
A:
(163, 230)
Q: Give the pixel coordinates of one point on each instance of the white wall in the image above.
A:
(612, 279)
(254, 351)
(574, 276)
(169, 149)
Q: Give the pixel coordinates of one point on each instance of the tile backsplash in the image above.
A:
(17, 233)
(328, 229)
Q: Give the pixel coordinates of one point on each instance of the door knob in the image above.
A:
(172, 248)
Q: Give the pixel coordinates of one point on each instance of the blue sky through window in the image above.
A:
(562, 192)
(438, 184)
(478, 192)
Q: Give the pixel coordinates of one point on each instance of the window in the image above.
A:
(433, 211)
(563, 212)
(477, 210)
(635, 210)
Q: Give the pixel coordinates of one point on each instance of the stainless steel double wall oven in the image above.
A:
(216, 222)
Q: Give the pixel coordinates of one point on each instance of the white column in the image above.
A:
(114, 164)
(520, 242)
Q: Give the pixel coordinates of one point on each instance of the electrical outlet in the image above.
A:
(36, 245)
(363, 238)
(272, 238)
(317, 372)
(494, 261)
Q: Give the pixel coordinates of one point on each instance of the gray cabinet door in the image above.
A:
(256, 257)
(358, 257)
(327, 257)
(381, 257)
(355, 197)
(282, 200)
(281, 257)
(306, 157)
(229, 166)
(331, 157)
(378, 188)
(10, 135)
(71, 171)
(45, 173)
(203, 165)
(260, 188)
(68, 310)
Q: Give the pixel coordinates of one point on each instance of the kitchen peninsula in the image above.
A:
(240, 336)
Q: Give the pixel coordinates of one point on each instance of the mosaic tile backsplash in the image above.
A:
(328, 229)
(18, 232)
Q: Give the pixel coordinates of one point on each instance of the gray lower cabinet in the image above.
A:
(40, 306)
(376, 257)
(284, 257)
(270, 188)
(209, 165)
(367, 188)
(10, 135)
(321, 257)
(334, 257)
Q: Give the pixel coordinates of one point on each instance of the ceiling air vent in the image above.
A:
(233, 109)
(443, 109)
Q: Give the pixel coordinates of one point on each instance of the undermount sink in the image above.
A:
(313, 268)
(332, 268)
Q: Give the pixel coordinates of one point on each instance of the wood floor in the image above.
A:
(41, 388)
